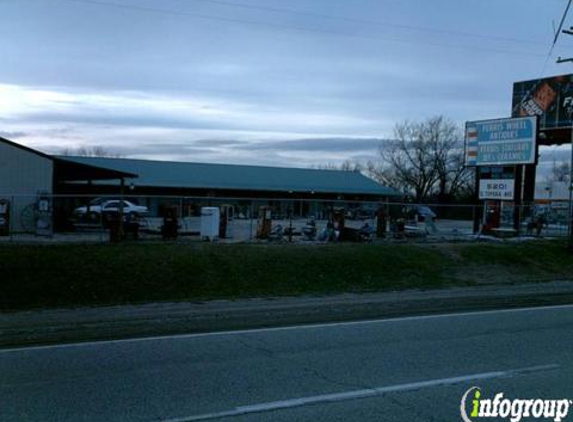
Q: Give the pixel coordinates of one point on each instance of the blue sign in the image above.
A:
(501, 142)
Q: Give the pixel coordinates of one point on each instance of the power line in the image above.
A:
(559, 30)
(561, 24)
(298, 28)
(556, 37)
(369, 22)
(560, 60)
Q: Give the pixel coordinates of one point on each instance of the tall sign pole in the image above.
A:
(570, 215)
(571, 196)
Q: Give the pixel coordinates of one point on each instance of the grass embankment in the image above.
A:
(75, 275)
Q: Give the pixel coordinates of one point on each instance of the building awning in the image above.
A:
(71, 171)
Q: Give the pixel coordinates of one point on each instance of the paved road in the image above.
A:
(405, 369)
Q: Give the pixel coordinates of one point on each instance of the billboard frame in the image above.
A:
(534, 143)
(550, 98)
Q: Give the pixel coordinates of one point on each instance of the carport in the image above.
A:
(69, 172)
(32, 185)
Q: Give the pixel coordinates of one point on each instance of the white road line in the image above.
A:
(357, 394)
(287, 328)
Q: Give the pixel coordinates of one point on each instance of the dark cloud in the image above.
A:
(357, 149)
(330, 145)
(327, 145)
(105, 118)
(14, 135)
(215, 143)
(321, 144)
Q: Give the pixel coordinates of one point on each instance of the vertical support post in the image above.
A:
(88, 206)
(101, 226)
(11, 210)
(477, 217)
(518, 201)
(388, 218)
(121, 196)
(251, 216)
(521, 207)
(483, 218)
(290, 210)
(570, 232)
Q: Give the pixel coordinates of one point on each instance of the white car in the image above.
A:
(101, 205)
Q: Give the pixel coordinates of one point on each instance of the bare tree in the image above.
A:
(447, 145)
(84, 151)
(561, 172)
(346, 165)
(425, 159)
(350, 165)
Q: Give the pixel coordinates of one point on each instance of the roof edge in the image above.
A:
(28, 149)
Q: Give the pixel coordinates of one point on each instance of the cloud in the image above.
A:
(39, 106)
(181, 127)
(350, 145)
(13, 135)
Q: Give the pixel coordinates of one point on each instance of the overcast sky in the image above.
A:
(262, 81)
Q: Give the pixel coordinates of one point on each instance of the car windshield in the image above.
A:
(425, 210)
(98, 201)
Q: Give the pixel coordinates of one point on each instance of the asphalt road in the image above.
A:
(415, 368)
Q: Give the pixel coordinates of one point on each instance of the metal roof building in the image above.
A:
(29, 178)
(240, 180)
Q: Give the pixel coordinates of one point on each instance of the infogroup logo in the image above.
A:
(513, 409)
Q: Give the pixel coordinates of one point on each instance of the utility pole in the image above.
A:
(570, 217)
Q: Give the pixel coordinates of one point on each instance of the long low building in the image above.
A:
(28, 175)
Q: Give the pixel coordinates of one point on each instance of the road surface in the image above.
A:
(405, 369)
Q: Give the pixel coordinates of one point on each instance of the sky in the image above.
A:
(268, 82)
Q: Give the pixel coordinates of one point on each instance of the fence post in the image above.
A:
(11, 210)
(251, 216)
(101, 227)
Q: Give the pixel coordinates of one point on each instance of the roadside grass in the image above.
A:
(530, 260)
(44, 276)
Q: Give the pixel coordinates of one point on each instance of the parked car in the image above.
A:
(100, 206)
(422, 211)
(425, 211)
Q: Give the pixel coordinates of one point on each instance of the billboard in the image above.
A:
(502, 189)
(501, 142)
(550, 98)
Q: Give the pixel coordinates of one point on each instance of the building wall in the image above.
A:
(23, 175)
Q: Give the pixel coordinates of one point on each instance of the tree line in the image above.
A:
(424, 161)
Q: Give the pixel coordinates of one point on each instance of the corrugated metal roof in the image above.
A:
(241, 177)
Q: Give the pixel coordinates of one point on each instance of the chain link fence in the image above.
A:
(62, 218)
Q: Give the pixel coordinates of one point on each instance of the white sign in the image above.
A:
(502, 189)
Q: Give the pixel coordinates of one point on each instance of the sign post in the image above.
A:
(499, 144)
(571, 196)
